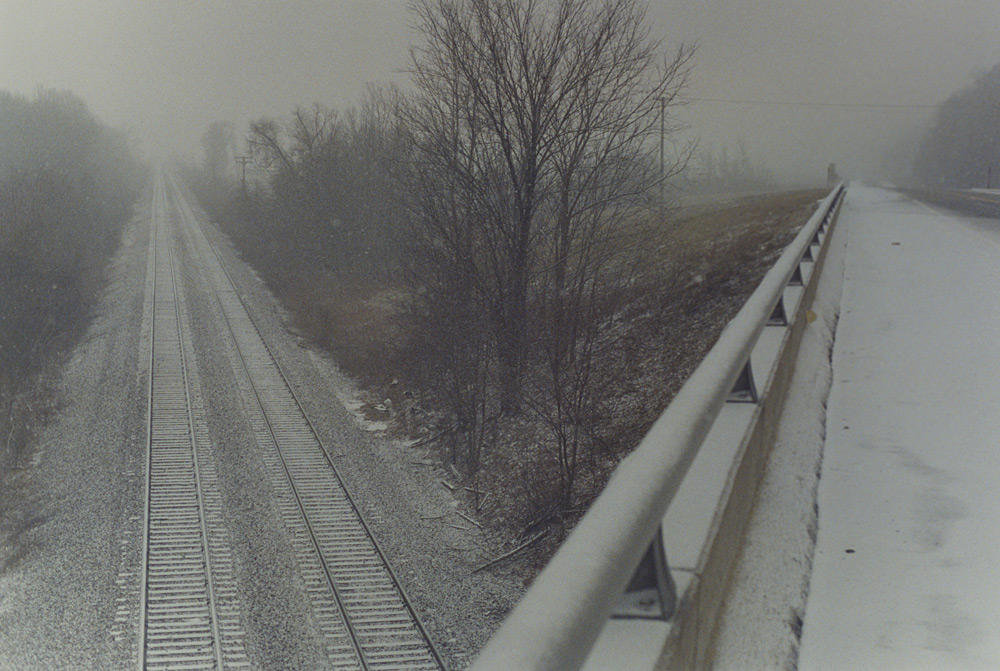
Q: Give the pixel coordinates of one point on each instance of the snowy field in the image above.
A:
(905, 570)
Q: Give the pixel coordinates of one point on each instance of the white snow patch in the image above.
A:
(905, 573)
(349, 396)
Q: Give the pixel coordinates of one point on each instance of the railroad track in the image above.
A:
(188, 610)
(366, 619)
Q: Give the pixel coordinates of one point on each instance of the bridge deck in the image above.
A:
(905, 571)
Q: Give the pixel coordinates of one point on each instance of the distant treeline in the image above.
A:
(962, 147)
(333, 189)
(67, 185)
(714, 172)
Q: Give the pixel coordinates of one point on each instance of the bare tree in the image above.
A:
(67, 186)
(534, 126)
(333, 179)
(961, 146)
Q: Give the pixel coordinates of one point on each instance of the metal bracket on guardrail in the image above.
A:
(651, 593)
(778, 316)
(744, 390)
(829, 213)
(796, 279)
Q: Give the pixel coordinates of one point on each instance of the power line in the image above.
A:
(792, 103)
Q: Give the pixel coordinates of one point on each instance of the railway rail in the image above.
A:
(188, 611)
(366, 619)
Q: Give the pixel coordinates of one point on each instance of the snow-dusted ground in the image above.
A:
(905, 572)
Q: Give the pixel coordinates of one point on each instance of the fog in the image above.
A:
(800, 85)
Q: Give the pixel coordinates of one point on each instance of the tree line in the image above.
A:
(962, 146)
(500, 188)
(714, 172)
(67, 185)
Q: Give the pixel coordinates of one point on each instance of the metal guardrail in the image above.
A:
(561, 616)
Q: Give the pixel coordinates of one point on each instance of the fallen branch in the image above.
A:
(447, 484)
(10, 426)
(544, 518)
(432, 438)
(473, 491)
(482, 501)
(455, 526)
(506, 555)
(469, 519)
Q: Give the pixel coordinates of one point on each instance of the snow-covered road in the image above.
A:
(906, 573)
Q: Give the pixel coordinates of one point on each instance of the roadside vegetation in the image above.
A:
(488, 254)
(67, 186)
(962, 146)
(723, 171)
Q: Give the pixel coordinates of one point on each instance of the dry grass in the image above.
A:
(700, 269)
(357, 319)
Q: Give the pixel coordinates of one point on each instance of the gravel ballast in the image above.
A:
(71, 514)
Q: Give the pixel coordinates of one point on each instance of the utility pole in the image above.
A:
(663, 199)
(243, 160)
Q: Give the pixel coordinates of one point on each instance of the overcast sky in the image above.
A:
(165, 69)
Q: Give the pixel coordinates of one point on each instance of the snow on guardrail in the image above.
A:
(557, 622)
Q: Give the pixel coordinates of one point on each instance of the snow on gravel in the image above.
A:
(905, 573)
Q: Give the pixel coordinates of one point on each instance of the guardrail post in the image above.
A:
(745, 389)
(778, 316)
(651, 594)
